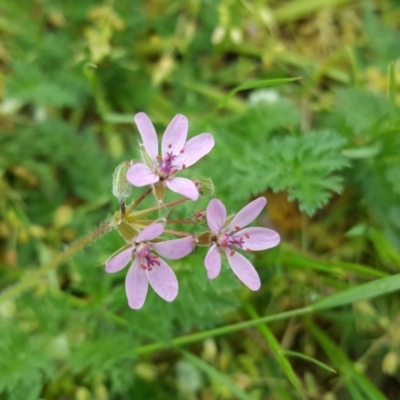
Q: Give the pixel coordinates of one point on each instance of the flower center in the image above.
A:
(165, 165)
(146, 258)
(230, 241)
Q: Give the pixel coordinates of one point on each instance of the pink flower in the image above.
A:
(176, 154)
(148, 267)
(228, 236)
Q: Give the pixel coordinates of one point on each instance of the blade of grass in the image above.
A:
(345, 366)
(339, 268)
(199, 336)
(310, 359)
(295, 10)
(392, 84)
(354, 391)
(368, 290)
(364, 291)
(277, 352)
(216, 375)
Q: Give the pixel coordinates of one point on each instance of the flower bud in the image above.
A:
(205, 186)
(199, 215)
(121, 188)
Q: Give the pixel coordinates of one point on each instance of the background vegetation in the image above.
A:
(324, 150)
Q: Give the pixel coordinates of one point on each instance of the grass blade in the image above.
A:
(308, 358)
(378, 287)
(216, 375)
(345, 366)
(277, 352)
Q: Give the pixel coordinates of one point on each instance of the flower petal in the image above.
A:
(213, 262)
(150, 232)
(141, 175)
(183, 186)
(247, 214)
(148, 134)
(216, 215)
(175, 135)
(119, 261)
(136, 286)
(243, 269)
(174, 249)
(163, 280)
(195, 149)
(258, 238)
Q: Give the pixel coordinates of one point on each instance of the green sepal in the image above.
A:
(127, 231)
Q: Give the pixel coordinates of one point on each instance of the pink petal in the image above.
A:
(243, 269)
(175, 135)
(183, 186)
(119, 261)
(216, 215)
(258, 238)
(174, 249)
(213, 262)
(141, 175)
(148, 134)
(150, 232)
(163, 280)
(136, 286)
(247, 214)
(195, 149)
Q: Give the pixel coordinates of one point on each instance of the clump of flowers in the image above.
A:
(145, 245)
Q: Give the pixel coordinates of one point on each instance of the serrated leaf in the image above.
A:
(305, 166)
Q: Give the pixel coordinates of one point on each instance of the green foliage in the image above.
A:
(324, 150)
(305, 165)
(363, 111)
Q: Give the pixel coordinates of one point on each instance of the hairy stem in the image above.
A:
(34, 277)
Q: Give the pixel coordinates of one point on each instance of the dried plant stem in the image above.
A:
(34, 277)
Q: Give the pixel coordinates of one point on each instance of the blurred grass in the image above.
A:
(73, 74)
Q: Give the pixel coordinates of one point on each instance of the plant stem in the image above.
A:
(177, 233)
(158, 207)
(34, 277)
(182, 221)
(139, 200)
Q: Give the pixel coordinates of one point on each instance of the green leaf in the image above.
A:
(362, 110)
(306, 166)
(392, 84)
(363, 152)
(378, 287)
(277, 351)
(308, 358)
(346, 366)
